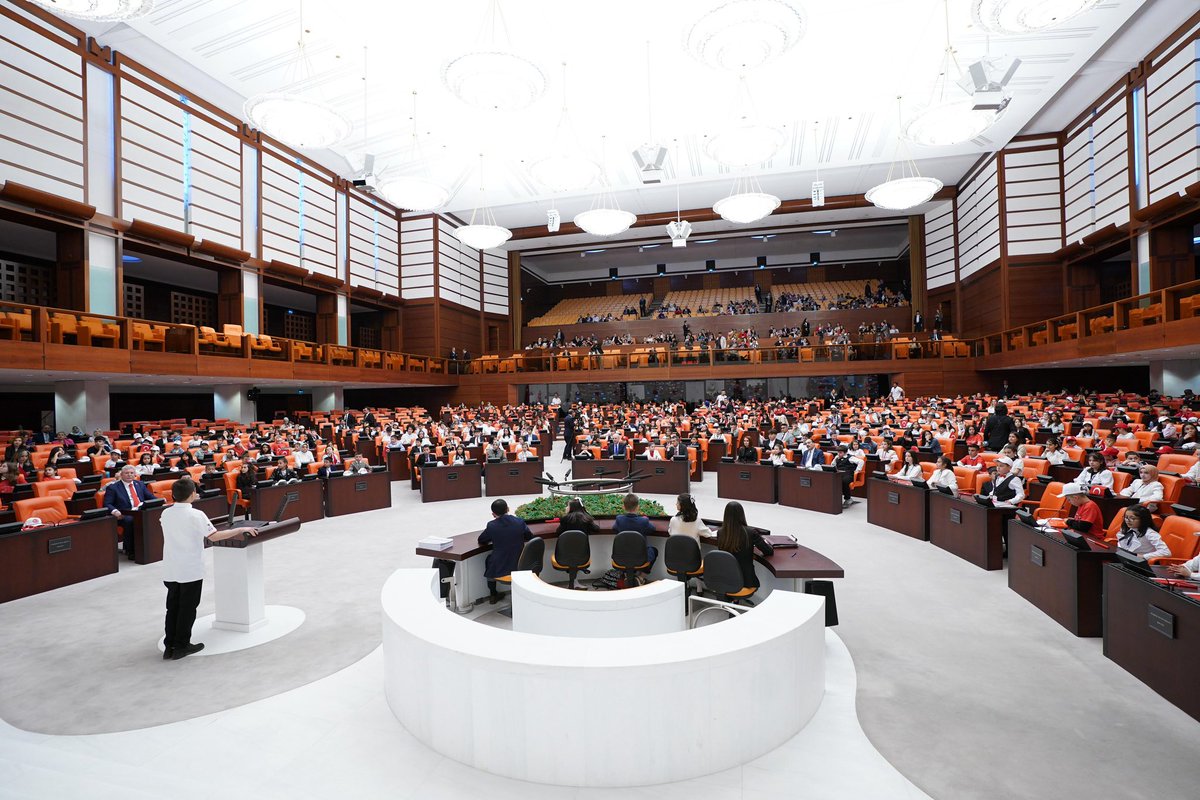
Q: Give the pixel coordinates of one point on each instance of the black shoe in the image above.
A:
(168, 654)
(187, 650)
(494, 599)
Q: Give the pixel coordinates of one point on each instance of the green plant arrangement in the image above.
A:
(598, 505)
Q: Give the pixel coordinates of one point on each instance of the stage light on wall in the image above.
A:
(814, 259)
(710, 265)
(662, 269)
(762, 262)
(612, 273)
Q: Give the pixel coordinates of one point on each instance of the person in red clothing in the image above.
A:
(1083, 509)
(972, 458)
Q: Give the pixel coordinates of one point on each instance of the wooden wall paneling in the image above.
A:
(515, 300)
(71, 273)
(327, 318)
(391, 332)
(229, 297)
(1031, 297)
(917, 266)
(459, 329)
(945, 298)
(417, 324)
(981, 303)
(1172, 257)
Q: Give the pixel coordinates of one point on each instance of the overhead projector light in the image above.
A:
(679, 231)
(553, 220)
(986, 81)
(649, 159)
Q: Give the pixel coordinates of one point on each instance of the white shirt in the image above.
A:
(303, 457)
(1057, 457)
(778, 459)
(1193, 474)
(694, 529)
(653, 454)
(1193, 566)
(184, 529)
(1016, 485)
(1146, 491)
(1148, 545)
(911, 473)
(897, 393)
(1089, 478)
(944, 477)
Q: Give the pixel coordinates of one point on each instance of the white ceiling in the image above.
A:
(834, 92)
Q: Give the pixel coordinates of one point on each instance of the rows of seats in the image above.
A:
(701, 301)
(826, 292)
(568, 312)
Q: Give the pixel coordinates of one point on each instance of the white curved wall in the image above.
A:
(675, 706)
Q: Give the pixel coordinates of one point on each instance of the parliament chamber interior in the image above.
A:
(809, 387)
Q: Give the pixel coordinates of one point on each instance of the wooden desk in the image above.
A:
(350, 494)
(148, 532)
(970, 531)
(1065, 583)
(898, 507)
(814, 490)
(503, 478)
(1165, 663)
(365, 446)
(307, 501)
(48, 558)
(451, 483)
(1189, 495)
(752, 482)
(663, 477)
(1063, 474)
(716, 451)
(399, 467)
(1111, 506)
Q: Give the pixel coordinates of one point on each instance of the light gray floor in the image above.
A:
(964, 686)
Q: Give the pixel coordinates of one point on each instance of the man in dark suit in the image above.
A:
(568, 435)
(507, 535)
(45, 437)
(675, 449)
(812, 458)
(121, 497)
(619, 448)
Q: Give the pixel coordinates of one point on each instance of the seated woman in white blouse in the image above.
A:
(1193, 474)
(1017, 456)
(653, 453)
(778, 459)
(1054, 453)
(687, 521)
(886, 455)
(1095, 473)
(944, 476)
(1137, 535)
(910, 469)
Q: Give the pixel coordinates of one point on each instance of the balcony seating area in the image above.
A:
(701, 302)
(569, 311)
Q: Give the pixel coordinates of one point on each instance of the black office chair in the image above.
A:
(572, 555)
(682, 559)
(630, 555)
(723, 577)
(531, 558)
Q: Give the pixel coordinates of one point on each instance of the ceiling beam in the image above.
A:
(695, 215)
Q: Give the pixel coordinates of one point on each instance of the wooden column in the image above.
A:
(515, 317)
(916, 267)
(230, 308)
(391, 336)
(327, 318)
(1171, 258)
(712, 280)
(70, 274)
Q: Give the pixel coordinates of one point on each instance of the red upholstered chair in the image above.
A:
(63, 487)
(49, 510)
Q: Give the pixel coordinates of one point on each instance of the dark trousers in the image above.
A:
(182, 600)
(125, 526)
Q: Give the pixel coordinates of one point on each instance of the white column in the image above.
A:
(82, 403)
(101, 154)
(250, 310)
(1172, 377)
(343, 320)
(230, 402)
(102, 274)
(328, 398)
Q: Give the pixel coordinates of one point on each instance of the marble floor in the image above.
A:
(942, 683)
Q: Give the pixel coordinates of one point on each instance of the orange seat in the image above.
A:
(1051, 505)
(162, 489)
(61, 487)
(1179, 534)
(1175, 462)
(49, 510)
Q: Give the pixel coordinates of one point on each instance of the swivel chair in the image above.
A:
(630, 555)
(682, 559)
(531, 558)
(572, 555)
(723, 577)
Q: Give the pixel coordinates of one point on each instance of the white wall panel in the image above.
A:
(979, 221)
(1032, 202)
(374, 256)
(495, 283)
(280, 209)
(152, 155)
(458, 268)
(416, 258)
(1173, 123)
(939, 245)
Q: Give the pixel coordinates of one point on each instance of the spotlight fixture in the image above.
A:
(814, 259)
(679, 231)
(986, 81)
(649, 159)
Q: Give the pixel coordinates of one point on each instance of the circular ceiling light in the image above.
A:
(494, 79)
(746, 207)
(744, 145)
(741, 35)
(565, 172)
(109, 10)
(482, 237)
(949, 122)
(904, 193)
(413, 194)
(1025, 16)
(605, 221)
(296, 121)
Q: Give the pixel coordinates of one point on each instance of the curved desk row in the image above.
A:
(785, 569)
